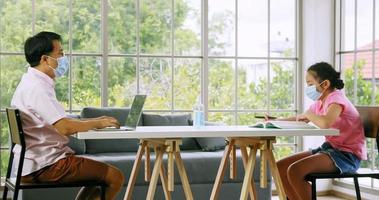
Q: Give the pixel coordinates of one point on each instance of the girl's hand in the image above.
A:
(302, 117)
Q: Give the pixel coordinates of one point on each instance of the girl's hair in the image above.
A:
(324, 71)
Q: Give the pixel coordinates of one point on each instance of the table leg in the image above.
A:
(170, 169)
(155, 174)
(252, 190)
(147, 164)
(183, 176)
(221, 171)
(233, 163)
(248, 174)
(164, 181)
(263, 170)
(134, 173)
(275, 175)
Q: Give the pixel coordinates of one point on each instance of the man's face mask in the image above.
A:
(312, 93)
(63, 66)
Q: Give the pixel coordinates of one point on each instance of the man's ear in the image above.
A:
(43, 59)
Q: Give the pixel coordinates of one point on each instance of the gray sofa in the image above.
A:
(201, 157)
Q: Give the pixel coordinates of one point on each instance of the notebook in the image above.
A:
(284, 125)
(133, 117)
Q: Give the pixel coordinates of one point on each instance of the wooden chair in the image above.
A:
(14, 183)
(370, 119)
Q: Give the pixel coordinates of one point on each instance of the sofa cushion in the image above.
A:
(211, 143)
(196, 163)
(110, 145)
(171, 120)
(79, 146)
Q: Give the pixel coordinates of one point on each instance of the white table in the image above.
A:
(168, 139)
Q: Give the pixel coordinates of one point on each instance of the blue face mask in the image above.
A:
(312, 92)
(63, 66)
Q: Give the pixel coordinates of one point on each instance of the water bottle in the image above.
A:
(198, 114)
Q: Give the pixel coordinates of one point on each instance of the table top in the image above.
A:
(156, 132)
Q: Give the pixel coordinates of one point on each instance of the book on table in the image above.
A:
(284, 125)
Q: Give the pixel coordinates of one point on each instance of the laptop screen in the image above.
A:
(135, 111)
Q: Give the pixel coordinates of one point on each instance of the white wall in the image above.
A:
(318, 45)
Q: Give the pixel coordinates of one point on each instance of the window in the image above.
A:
(358, 60)
(240, 57)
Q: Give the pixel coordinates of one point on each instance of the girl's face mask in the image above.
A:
(312, 93)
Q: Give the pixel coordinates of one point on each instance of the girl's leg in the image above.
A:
(283, 165)
(320, 163)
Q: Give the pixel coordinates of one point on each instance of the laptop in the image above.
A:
(133, 117)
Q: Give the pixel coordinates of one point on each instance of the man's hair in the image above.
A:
(38, 45)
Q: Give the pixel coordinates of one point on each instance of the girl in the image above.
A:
(338, 154)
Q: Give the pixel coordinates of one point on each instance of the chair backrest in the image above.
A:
(15, 126)
(370, 119)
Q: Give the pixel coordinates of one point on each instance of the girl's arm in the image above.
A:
(325, 121)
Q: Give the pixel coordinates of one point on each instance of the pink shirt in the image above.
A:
(351, 138)
(40, 109)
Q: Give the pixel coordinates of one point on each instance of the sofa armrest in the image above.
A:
(73, 116)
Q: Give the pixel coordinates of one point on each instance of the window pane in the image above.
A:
(122, 25)
(4, 155)
(282, 30)
(223, 117)
(155, 27)
(53, 16)
(252, 28)
(283, 151)
(364, 79)
(252, 84)
(122, 82)
(348, 25)
(186, 82)
(187, 27)
(15, 24)
(155, 81)
(247, 118)
(86, 31)
(12, 69)
(364, 24)
(376, 24)
(62, 89)
(86, 81)
(4, 134)
(221, 36)
(347, 63)
(221, 81)
(283, 85)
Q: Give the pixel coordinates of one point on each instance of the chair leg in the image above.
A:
(5, 193)
(314, 193)
(102, 192)
(15, 194)
(357, 191)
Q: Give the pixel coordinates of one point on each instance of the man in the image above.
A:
(46, 127)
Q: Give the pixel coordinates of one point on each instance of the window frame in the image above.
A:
(204, 51)
(339, 53)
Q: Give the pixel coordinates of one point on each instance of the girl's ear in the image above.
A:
(326, 84)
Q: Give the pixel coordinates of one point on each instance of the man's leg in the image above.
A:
(283, 165)
(73, 168)
(319, 162)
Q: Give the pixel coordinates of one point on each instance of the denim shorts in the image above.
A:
(345, 162)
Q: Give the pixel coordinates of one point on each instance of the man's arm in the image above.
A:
(69, 126)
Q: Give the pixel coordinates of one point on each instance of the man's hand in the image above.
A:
(68, 126)
(105, 121)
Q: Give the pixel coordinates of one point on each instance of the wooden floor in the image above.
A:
(318, 198)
